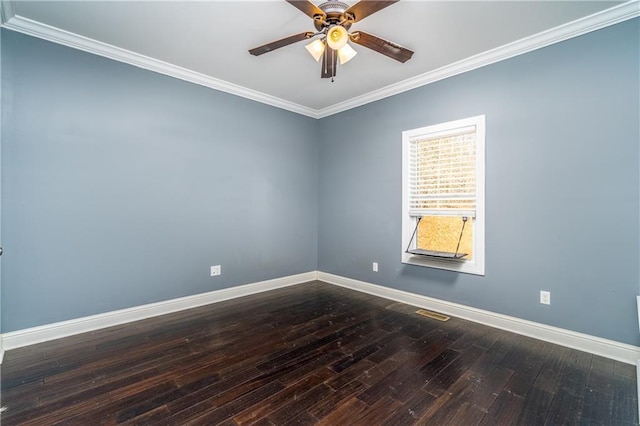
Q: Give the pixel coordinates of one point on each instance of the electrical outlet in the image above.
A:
(545, 297)
(216, 270)
(375, 266)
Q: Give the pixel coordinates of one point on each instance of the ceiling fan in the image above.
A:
(332, 20)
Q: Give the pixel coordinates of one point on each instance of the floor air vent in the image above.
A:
(434, 315)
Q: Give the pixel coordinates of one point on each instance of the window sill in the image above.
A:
(467, 267)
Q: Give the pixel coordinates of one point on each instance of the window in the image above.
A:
(443, 196)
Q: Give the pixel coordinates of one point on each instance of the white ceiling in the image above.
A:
(210, 39)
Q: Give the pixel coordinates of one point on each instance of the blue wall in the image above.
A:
(562, 185)
(122, 187)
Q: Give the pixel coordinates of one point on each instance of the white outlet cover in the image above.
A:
(375, 266)
(216, 270)
(545, 297)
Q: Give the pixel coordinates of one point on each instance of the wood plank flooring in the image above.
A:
(311, 354)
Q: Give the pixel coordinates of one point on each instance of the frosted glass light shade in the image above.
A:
(346, 53)
(316, 49)
(337, 37)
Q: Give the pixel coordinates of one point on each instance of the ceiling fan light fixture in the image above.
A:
(346, 53)
(332, 20)
(337, 37)
(316, 49)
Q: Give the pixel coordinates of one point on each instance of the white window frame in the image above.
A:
(476, 264)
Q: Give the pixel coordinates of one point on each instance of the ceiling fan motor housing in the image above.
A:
(335, 15)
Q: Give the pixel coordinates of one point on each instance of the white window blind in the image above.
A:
(442, 173)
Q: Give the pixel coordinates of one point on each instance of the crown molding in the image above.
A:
(11, 20)
(605, 18)
(66, 38)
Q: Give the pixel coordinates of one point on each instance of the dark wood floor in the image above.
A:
(312, 353)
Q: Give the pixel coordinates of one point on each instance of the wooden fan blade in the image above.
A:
(383, 46)
(308, 8)
(364, 8)
(329, 63)
(257, 51)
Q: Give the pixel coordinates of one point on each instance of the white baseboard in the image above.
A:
(603, 347)
(596, 345)
(30, 336)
